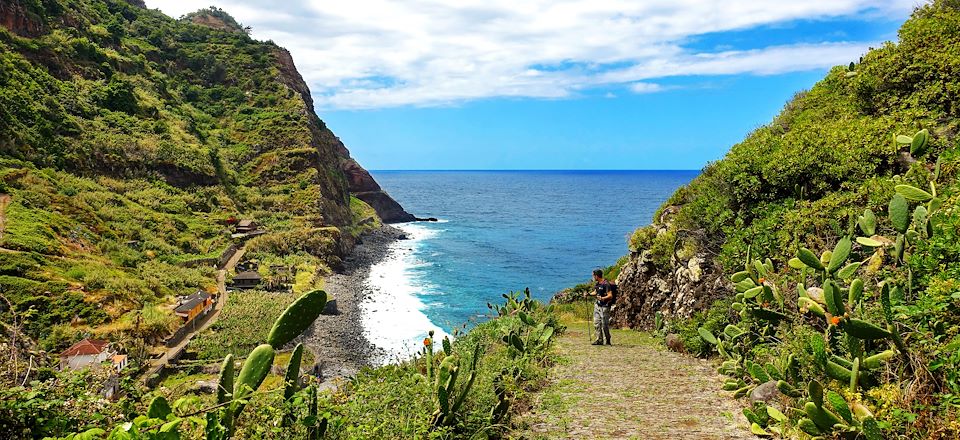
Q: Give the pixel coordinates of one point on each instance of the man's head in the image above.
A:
(597, 275)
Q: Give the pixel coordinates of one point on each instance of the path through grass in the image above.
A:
(635, 389)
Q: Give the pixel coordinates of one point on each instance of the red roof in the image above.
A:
(86, 347)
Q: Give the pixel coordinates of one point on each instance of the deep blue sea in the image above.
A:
(502, 231)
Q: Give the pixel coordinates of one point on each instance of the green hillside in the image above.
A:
(803, 181)
(127, 139)
(831, 151)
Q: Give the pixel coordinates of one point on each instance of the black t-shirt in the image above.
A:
(602, 288)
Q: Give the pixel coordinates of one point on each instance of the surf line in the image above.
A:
(392, 314)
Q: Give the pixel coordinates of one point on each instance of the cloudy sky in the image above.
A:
(640, 84)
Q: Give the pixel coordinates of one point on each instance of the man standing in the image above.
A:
(605, 292)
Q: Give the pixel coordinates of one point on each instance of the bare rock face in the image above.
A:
(359, 182)
(678, 291)
(17, 18)
(204, 387)
(388, 209)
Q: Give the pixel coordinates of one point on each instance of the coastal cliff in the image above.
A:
(359, 181)
(131, 142)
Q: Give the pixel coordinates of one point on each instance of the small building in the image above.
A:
(190, 306)
(91, 352)
(247, 280)
(119, 362)
(246, 226)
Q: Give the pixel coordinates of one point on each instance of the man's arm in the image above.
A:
(608, 293)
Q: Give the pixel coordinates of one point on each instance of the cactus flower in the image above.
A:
(835, 320)
(762, 280)
(426, 342)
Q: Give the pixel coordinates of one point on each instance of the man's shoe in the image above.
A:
(608, 343)
(597, 343)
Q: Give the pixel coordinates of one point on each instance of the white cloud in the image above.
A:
(382, 53)
(645, 87)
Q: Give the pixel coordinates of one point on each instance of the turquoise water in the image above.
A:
(507, 230)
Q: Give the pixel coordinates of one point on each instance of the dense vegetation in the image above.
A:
(798, 188)
(241, 325)
(462, 389)
(127, 139)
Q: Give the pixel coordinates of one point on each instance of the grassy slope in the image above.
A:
(119, 124)
(803, 179)
(830, 153)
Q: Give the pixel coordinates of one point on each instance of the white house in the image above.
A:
(91, 352)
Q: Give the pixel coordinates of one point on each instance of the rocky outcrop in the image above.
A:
(687, 286)
(19, 19)
(388, 209)
(359, 182)
(215, 18)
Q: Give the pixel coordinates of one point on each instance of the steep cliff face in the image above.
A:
(803, 179)
(359, 181)
(195, 102)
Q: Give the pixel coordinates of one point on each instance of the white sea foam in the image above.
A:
(392, 313)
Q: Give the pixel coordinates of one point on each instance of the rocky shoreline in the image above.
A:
(336, 337)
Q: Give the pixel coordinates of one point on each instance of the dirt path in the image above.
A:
(635, 389)
(4, 201)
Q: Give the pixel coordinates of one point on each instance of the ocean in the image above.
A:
(499, 231)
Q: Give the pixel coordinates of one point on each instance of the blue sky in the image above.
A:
(573, 84)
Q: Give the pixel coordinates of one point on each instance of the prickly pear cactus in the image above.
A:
(252, 374)
(292, 378)
(296, 318)
(225, 384)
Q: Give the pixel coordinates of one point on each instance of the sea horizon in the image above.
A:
(532, 170)
(500, 231)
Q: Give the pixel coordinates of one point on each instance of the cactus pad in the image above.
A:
(254, 370)
(840, 253)
(225, 384)
(913, 193)
(707, 336)
(809, 258)
(899, 211)
(865, 330)
(296, 318)
(292, 378)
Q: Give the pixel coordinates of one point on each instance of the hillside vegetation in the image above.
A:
(469, 388)
(799, 187)
(127, 139)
